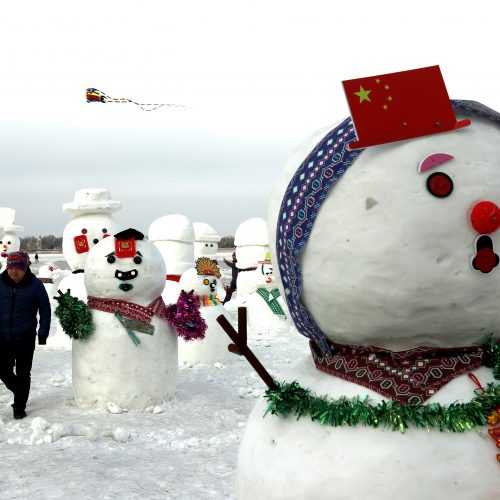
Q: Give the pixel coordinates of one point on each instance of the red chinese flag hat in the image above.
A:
(125, 243)
(399, 106)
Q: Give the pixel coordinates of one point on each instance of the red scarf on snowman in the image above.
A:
(130, 310)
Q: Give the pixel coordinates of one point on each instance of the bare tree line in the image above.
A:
(51, 242)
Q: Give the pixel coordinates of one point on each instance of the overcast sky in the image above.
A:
(256, 76)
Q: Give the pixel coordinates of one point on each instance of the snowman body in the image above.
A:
(388, 264)
(212, 348)
(252, 244)
(108, 366)
(173, 236)
(266, 309)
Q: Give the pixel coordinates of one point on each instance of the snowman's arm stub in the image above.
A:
(74, 315)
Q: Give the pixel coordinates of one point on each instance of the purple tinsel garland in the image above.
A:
(185, 317)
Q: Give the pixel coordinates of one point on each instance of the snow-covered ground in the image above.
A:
(184, 449)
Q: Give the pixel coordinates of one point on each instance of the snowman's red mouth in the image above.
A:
(485, 259)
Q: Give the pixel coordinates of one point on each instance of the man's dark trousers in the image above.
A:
(20, 354)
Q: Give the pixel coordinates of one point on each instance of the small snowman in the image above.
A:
(46, 276)
(10, 241)
(130, 359)
(206, 240)
(174, 236)
(252, 244)
(203, 279)
(265, 307)
(389, 262)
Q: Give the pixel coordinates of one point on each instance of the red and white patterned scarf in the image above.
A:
(130, 310)
(409, 377)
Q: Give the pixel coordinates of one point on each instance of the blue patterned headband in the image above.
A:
(302, 200)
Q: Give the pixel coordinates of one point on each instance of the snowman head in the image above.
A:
(81, 234)
(125, 267)
(10, 242)
(265, 278)
(174, 236)
(396, 245)
(203, 278)
(91, 222)
(206, 243)
(252, 242)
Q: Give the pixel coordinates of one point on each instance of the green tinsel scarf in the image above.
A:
(458, 417)
(75, 317)
(292, 399)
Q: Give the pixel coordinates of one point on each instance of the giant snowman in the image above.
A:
(131, 357)
(403, 256)
(173, 235)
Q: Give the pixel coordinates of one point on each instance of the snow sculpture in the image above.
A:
(173, 235)
(402, 255)
(204, 280)
(91, 221)
(206, 240)
(131, 357)
(252, 244)
(10, 241)
(266, 308)
(46, 276)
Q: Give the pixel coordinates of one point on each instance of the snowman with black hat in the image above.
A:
(130, 357)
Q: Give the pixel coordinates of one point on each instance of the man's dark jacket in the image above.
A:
(19, 304)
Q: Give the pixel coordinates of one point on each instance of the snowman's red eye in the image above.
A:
(439, 184)
(84, 231)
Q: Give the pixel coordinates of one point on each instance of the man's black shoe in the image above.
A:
(18, 413)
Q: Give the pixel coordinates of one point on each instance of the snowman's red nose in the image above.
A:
(485, 217)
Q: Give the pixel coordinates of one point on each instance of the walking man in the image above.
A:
(22, 297)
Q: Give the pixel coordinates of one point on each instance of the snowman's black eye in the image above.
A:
(137, 260)
(111, 259)
(439, 184)
(95, 241)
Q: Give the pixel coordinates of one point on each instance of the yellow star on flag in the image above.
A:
(363, 94)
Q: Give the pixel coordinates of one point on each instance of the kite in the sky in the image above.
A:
(94, 95)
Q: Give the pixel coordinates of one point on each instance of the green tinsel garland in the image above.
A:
(75, 317)
(291, 398)
(457, 417)
(493, 355)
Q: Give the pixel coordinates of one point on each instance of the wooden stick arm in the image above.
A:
(240, 340)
